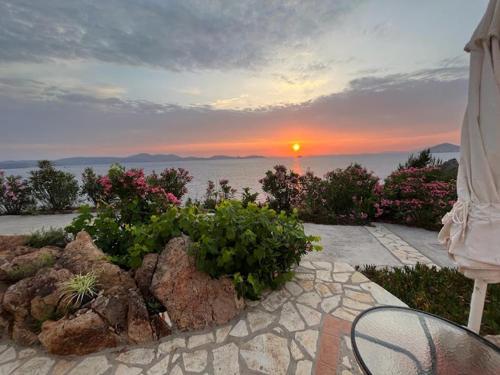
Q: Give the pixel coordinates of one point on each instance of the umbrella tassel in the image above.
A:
(477, 305)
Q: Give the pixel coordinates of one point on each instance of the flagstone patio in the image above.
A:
(295, 330)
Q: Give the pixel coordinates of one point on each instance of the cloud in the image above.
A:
(176, 35)
(373, 113)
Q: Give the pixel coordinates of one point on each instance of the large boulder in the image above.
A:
(83, 256)
(192, 298)
(138, 325)
(82, 334)
(144, 274)
(28, 264)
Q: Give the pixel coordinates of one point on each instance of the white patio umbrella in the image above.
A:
(472, 228)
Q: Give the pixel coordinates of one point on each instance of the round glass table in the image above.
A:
(390, 340)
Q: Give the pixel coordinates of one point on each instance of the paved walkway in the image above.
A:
(300, 329)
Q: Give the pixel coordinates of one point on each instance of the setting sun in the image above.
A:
(295, 147)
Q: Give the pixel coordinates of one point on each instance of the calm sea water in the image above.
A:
(247, 172)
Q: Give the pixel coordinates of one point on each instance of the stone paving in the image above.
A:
(283, 333)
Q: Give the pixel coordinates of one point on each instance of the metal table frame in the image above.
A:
(363, 365)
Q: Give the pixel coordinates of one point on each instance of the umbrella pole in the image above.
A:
(477, 305)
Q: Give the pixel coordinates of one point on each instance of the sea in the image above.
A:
(247, 172)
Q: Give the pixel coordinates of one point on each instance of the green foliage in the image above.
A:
(255, 246)
(78, 289)
(248, 197)
(27, 270)
(444, 292)
(217, 194)
(422, 160)
(48, 237)
(55, 190)
(91, 186)
(282, 188)
(173, 180)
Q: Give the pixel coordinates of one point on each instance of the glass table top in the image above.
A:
(391, 340)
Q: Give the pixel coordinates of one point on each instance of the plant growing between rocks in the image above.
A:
(78, 290)
(48, 237)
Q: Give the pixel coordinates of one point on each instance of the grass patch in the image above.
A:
(27, 270)
(48, 237)
(445, 292)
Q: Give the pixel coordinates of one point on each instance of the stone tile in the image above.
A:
(307, 285)
(304, 368)
(341, 277)
(360, 296)
(258, 320)
(290, 318)
(322, 290)
(160, 367)
(307, 264)
(62, 367)
(322, 265)
(324, 275)
(239, 330)
(127, 370)
(91, 365)
(199, 340)
(293, 288)
(221, 334)
(171, 345)
(195, 361)
(352, 304)
(275, 300)
(8, 355)
(336, 288)
(266, 353)
(348, 343)
(346, 362)
(308, 340)
(330, 303)
(381, 295)
(226, 360)
(342, 313)
(304, 276)
(311, 316)
(311, 299)
(295, 350)
(35, 366)
(3, 347)
(358, 277)
(176, 371)
(25, 353)
(342, 267)
(139, 356)
(8, 367)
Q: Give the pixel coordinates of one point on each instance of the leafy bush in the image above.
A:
(91, 186)
(248, 197)
(78, 290)
(48, 237)
(55, 190)
(444, 292)
(128, 202)
(418, 196)
(172, 180)
(215, 196)
(15, 195)
(422, 160)
(255, 246)
(282, 188)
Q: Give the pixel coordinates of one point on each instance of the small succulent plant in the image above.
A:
(79, 289)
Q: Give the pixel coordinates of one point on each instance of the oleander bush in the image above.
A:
(216, 194)
(248, 197)
(15, 195)
(255, 246)
(91, 188)
(444, 292)
(282, 187)
(53, 189)
(173, 180)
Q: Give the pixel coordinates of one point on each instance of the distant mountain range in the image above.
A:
(444, 147)
(138, 158)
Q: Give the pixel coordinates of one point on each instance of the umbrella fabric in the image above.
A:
(472, 228)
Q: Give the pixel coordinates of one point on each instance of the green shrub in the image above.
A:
(48, 237)
(422, 160)
(21, 272)
(282, 188)
(91, 186)
(444, 292)
(173, 180)
(248, 197)
(255, 246)
(15, 195)
(215, 195)
(55, 190)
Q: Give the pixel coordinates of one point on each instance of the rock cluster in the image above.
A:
(32, 309)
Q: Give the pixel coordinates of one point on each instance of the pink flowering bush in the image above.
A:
(15, 195)
(282, 187)
(418, 196)
(173, 180)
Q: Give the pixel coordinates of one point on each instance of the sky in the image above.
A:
(203, 77)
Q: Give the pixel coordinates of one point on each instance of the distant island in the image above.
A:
(138, 158)
(444, 147)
